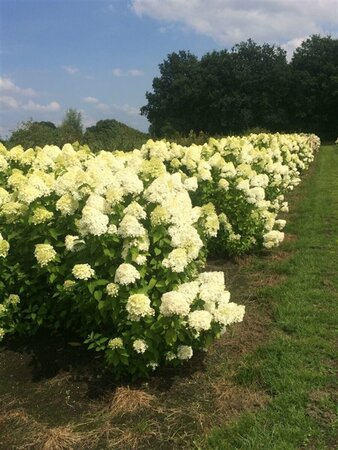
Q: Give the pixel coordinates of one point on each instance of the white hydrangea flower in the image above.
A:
(228, 313)
(273, 238)
(186, 237)
(130, 182)
(126, 274)
(4, 247)
(13, 299)
(191, 184)
(83, 271)
(170, 356)
(4, 196)
(93, 221)
(2, 334)
(177, 260)
(130, 227)
(140, 346)
(174, 302)
(211, 224)
(69, 284)
(223, 184)
(112, 229)
(285, 207)
(280, 223)
(44, 254)
(159, 216)
(112, 289)
(41, 215)
(200, 320)
(13, 211)
(98, 202)
(136, 210)
(115, 343)
(244, 186)
(184, 352)
(140, 260)
(28, 193)
(3, 164)
(138, 306)
(152, 365)
(72, 241)
(212, 286)
(67, 204)
(190, 290)
(3, 309)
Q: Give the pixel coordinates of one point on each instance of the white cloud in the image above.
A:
(8, 101)
(91, 100)
(117, 72)
(291, 45)
(71, 69)
(102, 107)
(32, 106)
(230, 21)
(127, 109)
(13, 103)
(135, 73)
(8, 85)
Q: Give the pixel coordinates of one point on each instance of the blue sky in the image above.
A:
(100, 56)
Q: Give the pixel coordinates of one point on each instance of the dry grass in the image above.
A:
(267, 280)
(232, 399)
(59, 438)
(127, 400)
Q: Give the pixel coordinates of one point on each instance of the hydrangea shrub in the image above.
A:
(109, 247)
(245, 178)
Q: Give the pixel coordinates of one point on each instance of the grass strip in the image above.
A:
(296, 366)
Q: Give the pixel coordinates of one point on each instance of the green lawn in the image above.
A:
(268, 384)
(296, 365)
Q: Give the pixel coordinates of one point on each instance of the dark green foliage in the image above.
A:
(314, 87)
(105, 135)
(251, 86)
(71, 128)
(31, 133)
(175, 104)
(113, 135)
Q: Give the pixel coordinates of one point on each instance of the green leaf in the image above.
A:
(101, 305)
(91, 287)
(52, 277)
(98, 295)
(101, 282)
(152, 283)
(53, 233)
(170, 336)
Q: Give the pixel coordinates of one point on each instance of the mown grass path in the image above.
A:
(296, 366)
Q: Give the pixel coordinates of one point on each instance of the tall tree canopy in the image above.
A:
(71, 128)
(315, 86)
(174, 104)
(250, 86)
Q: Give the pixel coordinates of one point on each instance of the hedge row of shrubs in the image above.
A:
(111, 247)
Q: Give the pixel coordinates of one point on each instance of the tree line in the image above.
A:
(251, 87)
(106, 134)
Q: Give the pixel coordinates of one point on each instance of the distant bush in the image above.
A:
(113, 135)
